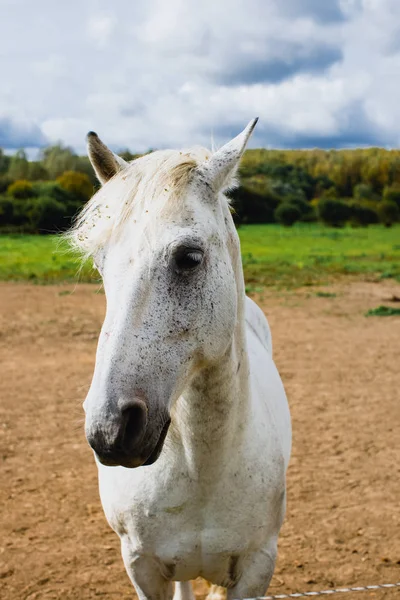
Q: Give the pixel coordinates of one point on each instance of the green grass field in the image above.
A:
(272, 256)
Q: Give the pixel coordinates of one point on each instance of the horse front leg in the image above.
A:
(256, 575)
(183, 591)
(150, 578)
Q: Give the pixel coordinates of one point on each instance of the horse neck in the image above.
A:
(209, 417)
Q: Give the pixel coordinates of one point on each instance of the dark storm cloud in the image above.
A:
(355, 129)
(342, 139)
(323, 11)
(302, 60)
(20, 135)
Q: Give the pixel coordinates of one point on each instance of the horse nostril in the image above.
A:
(135, 421)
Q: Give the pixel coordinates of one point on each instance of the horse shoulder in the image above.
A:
(258, 323)
(270, 410)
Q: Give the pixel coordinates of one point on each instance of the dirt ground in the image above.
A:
(342, 375)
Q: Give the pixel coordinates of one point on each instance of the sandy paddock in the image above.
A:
(342, 375)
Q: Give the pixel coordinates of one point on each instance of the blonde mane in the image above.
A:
(161, 177)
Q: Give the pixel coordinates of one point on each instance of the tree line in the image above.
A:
(359, 187)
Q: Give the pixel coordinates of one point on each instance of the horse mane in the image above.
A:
(162, 175)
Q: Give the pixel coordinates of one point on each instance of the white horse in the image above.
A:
(186, 413)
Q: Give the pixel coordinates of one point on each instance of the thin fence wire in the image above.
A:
(344, 590)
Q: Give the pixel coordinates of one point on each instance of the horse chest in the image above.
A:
(189, 540)
(193, 528)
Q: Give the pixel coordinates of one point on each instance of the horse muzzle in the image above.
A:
(127, 437)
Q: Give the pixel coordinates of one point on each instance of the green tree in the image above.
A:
(389, 213)
(307, 212)
(363, 191)
(4, 162)
(57, 159)
(6, 211)
(78, 185)
(5, 182)
(83, 165)
(331, 193)
(254, 201)
(36, 171)
(363, 214)
(392, 194)
(19, 166)
(20, 215)
(47, 215)
(21, 190)
(52, 189)
(333, 212)
(287, 214)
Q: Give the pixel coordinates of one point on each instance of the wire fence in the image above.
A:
(344, 590)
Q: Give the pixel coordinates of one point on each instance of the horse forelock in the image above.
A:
(161, 178)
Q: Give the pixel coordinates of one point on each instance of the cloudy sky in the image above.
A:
(174, 73)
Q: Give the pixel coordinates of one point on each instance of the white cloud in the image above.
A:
(100, 28)
(52, 66)
(157, 74)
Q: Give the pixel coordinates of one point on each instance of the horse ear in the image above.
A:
(221, 168)
(105, 163)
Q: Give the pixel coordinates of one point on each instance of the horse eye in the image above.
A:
(187, 259)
